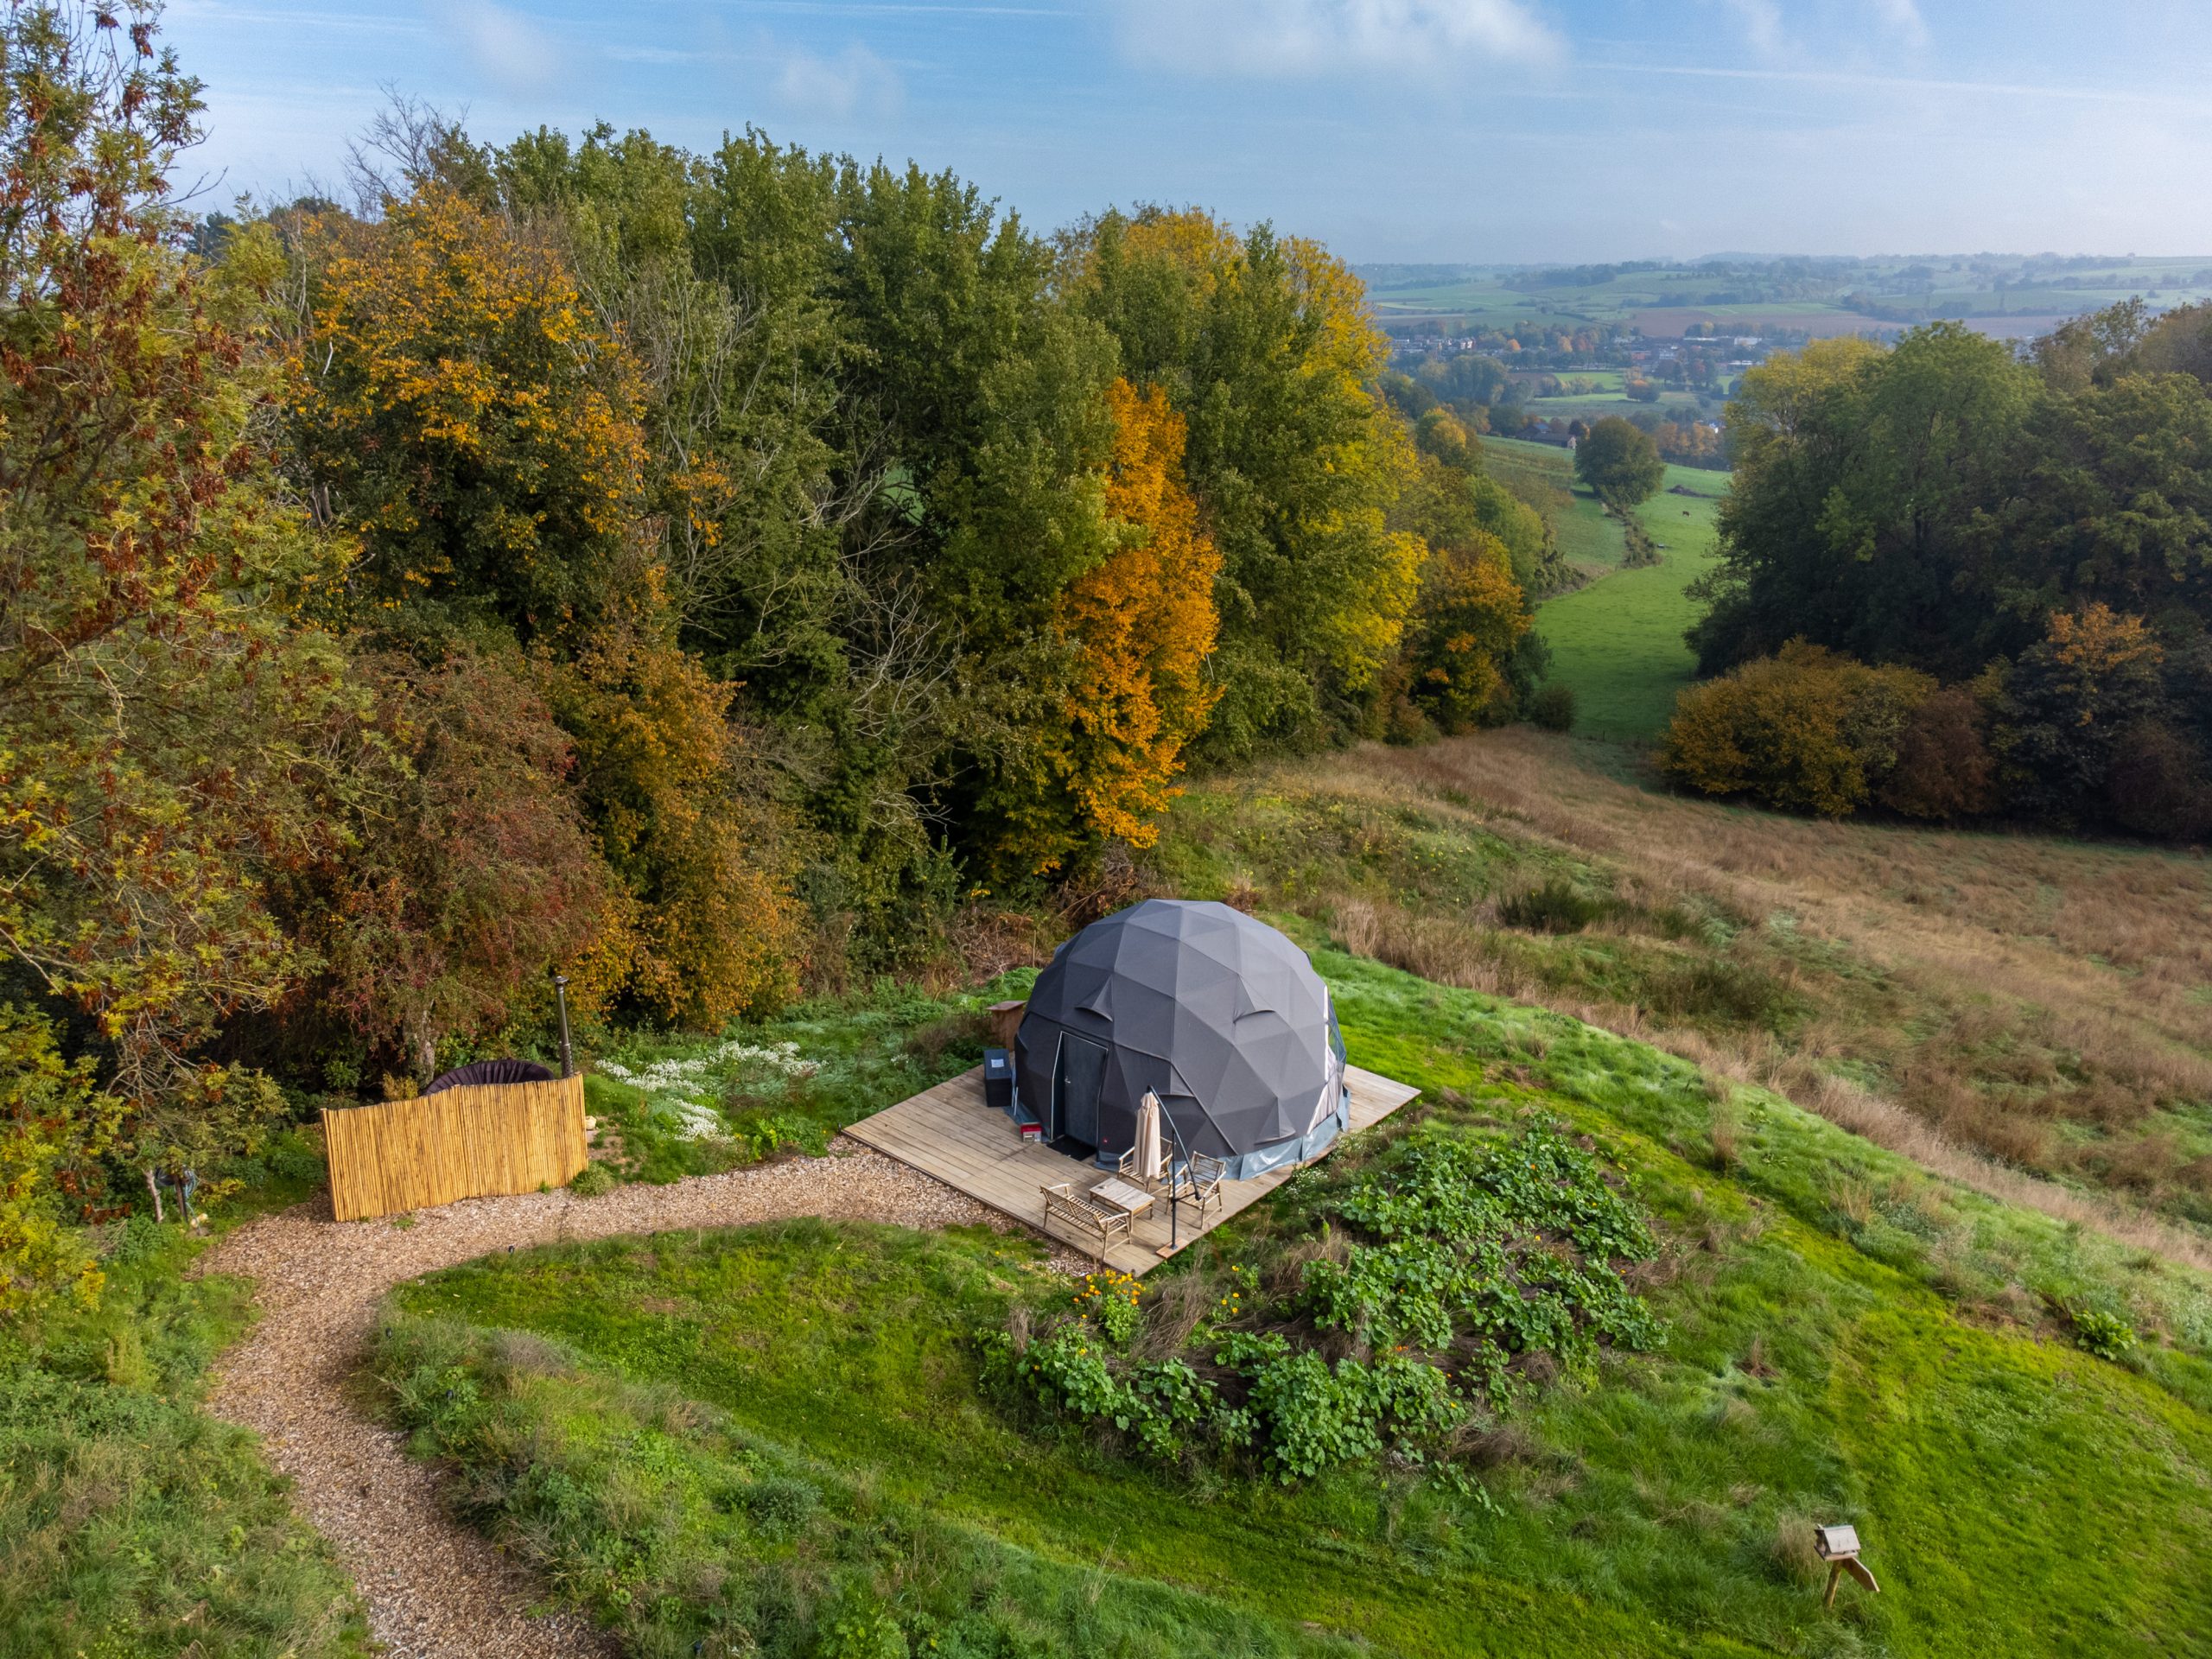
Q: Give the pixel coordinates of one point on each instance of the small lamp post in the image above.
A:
(561, 1002)
(1839, 1547)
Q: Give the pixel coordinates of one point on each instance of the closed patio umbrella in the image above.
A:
(1148, 1140)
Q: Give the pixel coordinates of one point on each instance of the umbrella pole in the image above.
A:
(1174, 1192)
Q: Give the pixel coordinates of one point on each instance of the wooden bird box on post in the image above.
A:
(1839, 1547)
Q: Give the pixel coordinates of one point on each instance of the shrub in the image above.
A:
(1552, 707)
(1944, 769)
(1557, 907)
(593, 1179)
(51, 1120)
(1805, 730)
(2105, 1334)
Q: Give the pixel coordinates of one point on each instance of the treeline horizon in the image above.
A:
(714, 576)
(1964, 582)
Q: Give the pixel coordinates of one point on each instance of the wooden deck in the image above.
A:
(950, 1132)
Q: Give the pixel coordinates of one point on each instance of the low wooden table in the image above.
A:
(1130, 1200)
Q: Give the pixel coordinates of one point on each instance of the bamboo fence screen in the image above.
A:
(465, 1142)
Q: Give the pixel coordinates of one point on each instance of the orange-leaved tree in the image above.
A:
(1143, 624)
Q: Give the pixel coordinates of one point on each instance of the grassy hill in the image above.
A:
(1618, 640)
(1897, 1191)
(777, 1440)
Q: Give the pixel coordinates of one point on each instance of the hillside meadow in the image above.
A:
(1999, 1006)
(781, 1440)
(1618, 638)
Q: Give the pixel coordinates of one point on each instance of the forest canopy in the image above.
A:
(2030, 536)
(709, 575)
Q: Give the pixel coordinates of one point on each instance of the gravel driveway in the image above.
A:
(435, 1590)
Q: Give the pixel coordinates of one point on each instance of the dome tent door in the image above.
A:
(1077, 1076)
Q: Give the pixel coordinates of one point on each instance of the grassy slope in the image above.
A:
(1587, 535)
(2018, 1495)
(131, 1522)
(1618, 642)
(2042, 1001)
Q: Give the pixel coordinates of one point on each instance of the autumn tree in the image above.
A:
(1264, 345)
(1467, 621)
(160, 696)
(464, 412)
(468, 873)
(1142, 625)
(461, 411)
(2069, 703)
(712, 929)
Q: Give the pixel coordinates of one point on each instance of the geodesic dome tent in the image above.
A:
(1218, 1015)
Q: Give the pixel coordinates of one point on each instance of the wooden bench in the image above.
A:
(1097, 1223)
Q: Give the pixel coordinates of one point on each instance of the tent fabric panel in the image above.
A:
(1219, 1014)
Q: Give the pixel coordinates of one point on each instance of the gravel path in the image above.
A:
(435, 1589)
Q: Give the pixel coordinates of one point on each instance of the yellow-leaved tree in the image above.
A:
(1265, 346)
(1143, 624)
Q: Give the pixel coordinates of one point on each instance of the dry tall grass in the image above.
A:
(2041, 1024)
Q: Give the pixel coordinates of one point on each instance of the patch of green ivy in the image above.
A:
(1464, 1257)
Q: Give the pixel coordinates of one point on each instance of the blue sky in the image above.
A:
(1421, 130)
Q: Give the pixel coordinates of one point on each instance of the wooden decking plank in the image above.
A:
(950, 1133)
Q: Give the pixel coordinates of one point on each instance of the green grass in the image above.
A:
(1618, 641)
(130, 1523)
(1545, 472)
(789, 1082)
(755, 1439)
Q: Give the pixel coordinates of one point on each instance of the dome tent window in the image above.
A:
(1219, 1015)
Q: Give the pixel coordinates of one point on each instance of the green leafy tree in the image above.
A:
(1620, 463)
(1861, 514)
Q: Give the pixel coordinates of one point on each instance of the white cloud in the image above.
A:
(1903, 19)
(511, 50)
(1304, 37)
(1762, 22)
(855, 82)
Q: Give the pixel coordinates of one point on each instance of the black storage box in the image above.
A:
(998, 1079)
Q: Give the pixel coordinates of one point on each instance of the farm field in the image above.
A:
(1802, 295)
(774, 1438)
(1587, 535)
(1618, 640)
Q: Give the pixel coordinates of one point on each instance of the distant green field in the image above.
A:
(1587, 535)
(1755, 290)
(1618, 642)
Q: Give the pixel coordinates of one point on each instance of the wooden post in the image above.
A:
(1006, 1021)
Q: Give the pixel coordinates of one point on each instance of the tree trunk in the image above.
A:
(155, 1187)
(426, 1047)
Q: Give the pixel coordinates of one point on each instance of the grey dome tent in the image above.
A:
(1218, 1015)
